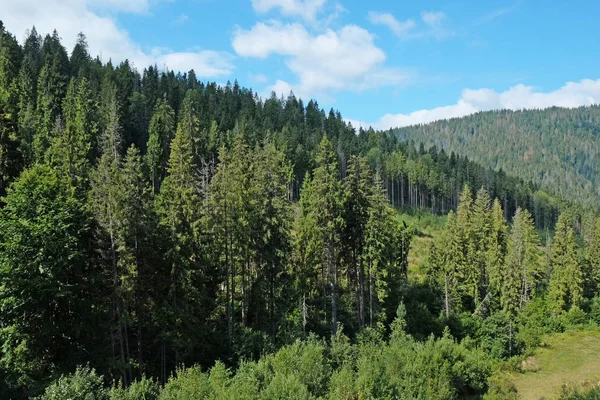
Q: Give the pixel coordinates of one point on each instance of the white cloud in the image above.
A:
(400, 29)
(431, 25)
(327, 62)
(181, 19)
(495, 14)
(306, 9)
(104, 37)
(572, 94)
(206, 63)
(435, 22)
(258, 78)
(127, 6)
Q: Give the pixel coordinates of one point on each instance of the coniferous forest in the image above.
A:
(167, 238)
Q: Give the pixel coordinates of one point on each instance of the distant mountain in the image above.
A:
(558, 148)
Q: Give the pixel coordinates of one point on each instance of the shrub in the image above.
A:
(84, 384)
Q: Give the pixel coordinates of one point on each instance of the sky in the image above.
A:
(383, 63)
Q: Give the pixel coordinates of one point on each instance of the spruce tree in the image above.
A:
(321, 223)
(566, 278)
(71, 150)
(592, 275)
(178, 207)
(521, 273)
(497, 251)
(357, 191)
(479, 245)
(161, 133)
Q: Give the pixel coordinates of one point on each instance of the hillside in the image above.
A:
(557, 148)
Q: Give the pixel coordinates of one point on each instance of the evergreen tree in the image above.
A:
(357, 186)
(52, 87)
(521, 274)
(497, 251)
(72, 146)
(566, 278)
(271, 225)
(10, 158)
(479, 245)
(592, 274)
(161, 133)
(386, 252)
(10, 63)
(321, 223)
(178, 206)
(26, 114)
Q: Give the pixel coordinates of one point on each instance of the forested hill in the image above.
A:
(556, 147)
(149, 220)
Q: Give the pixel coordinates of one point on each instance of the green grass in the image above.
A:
(570, 358)
(427, 227)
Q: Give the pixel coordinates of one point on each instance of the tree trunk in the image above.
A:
(446, 300)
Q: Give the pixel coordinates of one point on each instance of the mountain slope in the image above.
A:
(557, 148)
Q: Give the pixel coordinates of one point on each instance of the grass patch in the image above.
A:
(426, 227)
(567, 358)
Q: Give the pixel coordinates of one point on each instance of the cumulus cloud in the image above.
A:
(573, 94)
(306, 9)
(104, 37)
(327, 62)
(400, 29)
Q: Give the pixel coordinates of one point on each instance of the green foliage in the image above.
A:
(84, 384)
(573, 174)
(566, 280)
(144, 389)
(48, 277)
(247, 231)
(580, 393)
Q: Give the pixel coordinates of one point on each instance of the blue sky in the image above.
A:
(386, 63)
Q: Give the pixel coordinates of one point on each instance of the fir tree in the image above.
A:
(566, 278)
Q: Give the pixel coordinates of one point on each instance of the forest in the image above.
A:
(555, 147)
(167, 238)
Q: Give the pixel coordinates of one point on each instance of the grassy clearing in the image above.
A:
(568, 358)
(427, 228)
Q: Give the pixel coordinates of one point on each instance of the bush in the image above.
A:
(145, 389)
(84, 384)
(501, 388)
(187, 384)
(580, 393)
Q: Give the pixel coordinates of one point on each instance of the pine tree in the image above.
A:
(71, 150)
(321, 222)
(178, 206)
(26, 115)
(10, 63)
(161, 133)
(356, 214)
(521, 273)
(566, 278)
(52, 87)
(80, 58)
(385, 253)
(10, 157)
(479, 245)
(271, 217)
(497, 251)
(593, 260)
